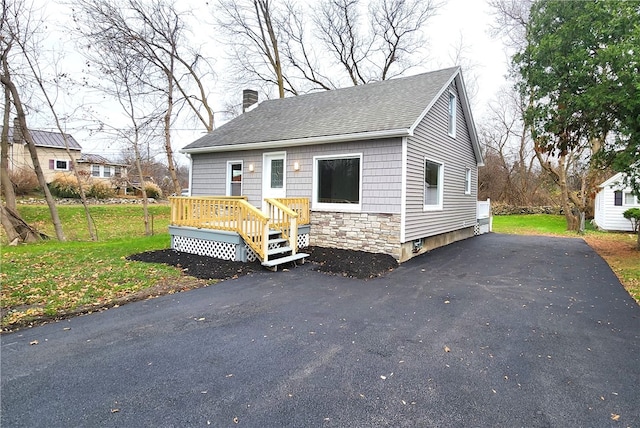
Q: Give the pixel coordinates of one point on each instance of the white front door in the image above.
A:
(274, 175)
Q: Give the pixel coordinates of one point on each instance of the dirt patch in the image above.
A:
(347, 263)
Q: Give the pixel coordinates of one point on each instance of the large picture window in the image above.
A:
(433, 185)
(338, 182)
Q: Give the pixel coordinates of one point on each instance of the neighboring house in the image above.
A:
(52, 154)
(101, 168)
(614, 198)
(388, 167)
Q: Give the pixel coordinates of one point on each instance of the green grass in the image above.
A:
(52, 278)
(618, 249)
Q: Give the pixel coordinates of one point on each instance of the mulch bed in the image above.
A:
(347, 263)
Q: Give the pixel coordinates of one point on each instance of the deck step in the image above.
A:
(275, 262)
(277, 241)
(278, 250)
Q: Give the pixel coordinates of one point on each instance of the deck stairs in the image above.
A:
(280, 252)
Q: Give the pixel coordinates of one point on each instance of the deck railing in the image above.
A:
(223, 213)
(284, 220)
(300, 206)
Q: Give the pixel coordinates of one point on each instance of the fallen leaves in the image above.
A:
(33, 342)
(615, 417)
(447, 349)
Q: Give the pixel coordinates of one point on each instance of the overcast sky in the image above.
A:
(466, 20)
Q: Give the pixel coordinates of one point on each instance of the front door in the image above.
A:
(274, 175)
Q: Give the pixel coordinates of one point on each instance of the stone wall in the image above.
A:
(503, 209)
(374, 233)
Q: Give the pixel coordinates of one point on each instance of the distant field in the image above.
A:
(618, 249)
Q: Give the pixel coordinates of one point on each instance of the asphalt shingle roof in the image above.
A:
(393, 104)
(49, 139)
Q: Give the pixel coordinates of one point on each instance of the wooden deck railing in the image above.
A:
(223, 213)
(284, 220)
(300, 206)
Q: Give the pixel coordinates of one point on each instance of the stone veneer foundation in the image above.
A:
(374, 233)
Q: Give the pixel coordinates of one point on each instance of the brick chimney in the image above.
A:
(249, 98)
(17, 132)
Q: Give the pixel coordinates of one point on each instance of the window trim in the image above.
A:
(323, 206)
(452, 114)
(467, 181)
(440, 205)
(229, 177)
(66, 162)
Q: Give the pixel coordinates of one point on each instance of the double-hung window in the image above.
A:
(234, 178)
(467, 181)
(338, 182)
(95, 170)
(433, 185)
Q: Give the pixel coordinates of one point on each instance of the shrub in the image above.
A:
(24, 181)
(100, 189)
(633, 215)
(64, 186)
(153, 190)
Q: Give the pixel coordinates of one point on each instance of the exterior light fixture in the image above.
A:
(296, 166)
(250, 167)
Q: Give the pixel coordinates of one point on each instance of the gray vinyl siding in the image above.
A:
(381, 172)
(431, 141)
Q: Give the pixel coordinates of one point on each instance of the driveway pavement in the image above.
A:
(493, 331)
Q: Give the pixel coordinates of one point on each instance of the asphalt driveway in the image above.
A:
(496, 330)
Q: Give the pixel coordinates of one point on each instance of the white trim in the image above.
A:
(452, 116)
(467, 180)
(403, 194)
(190, 173)
(66, 161)
(326, 139)
(433, 101)
(229, 176)
(318, 206)
(440, 205)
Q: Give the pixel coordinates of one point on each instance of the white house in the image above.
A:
(612, 199)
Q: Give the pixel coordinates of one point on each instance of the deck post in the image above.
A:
(293, 235)
(265, 242)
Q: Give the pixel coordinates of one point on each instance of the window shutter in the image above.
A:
(617, 198)
(70, 166)
(51, 164)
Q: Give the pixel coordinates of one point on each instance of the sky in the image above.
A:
(457, 20)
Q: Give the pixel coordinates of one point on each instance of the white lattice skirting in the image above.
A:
(216, 249)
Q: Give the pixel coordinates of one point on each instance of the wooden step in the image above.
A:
(278, 250)
(277, 241)
(273, 264)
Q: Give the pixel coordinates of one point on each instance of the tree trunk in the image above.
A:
(5, 181)
(55, 218)
(177, 188)
(18, 231)
(565, 201)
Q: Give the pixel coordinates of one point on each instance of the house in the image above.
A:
(100, 168)
(612, 199)
(386, 167)
(52, 154)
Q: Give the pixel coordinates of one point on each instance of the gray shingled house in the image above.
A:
(387, 167)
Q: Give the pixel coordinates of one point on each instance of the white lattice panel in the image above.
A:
(303, 240)
(216, 249)
(251, 255)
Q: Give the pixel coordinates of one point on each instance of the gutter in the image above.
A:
(325, 139)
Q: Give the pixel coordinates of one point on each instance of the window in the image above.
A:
(630, 199)
(452, 114)
(95, 170)
(277, 173)
(61, 165)
(337, 182)
(234, 178)
(118, 171)
(433, 186)
(107, 171)
(467, 181)
(617, 198)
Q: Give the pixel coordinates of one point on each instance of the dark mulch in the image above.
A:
(348, 263)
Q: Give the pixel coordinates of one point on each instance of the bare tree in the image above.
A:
(155, 32)
(253, 28)
(17, 29)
